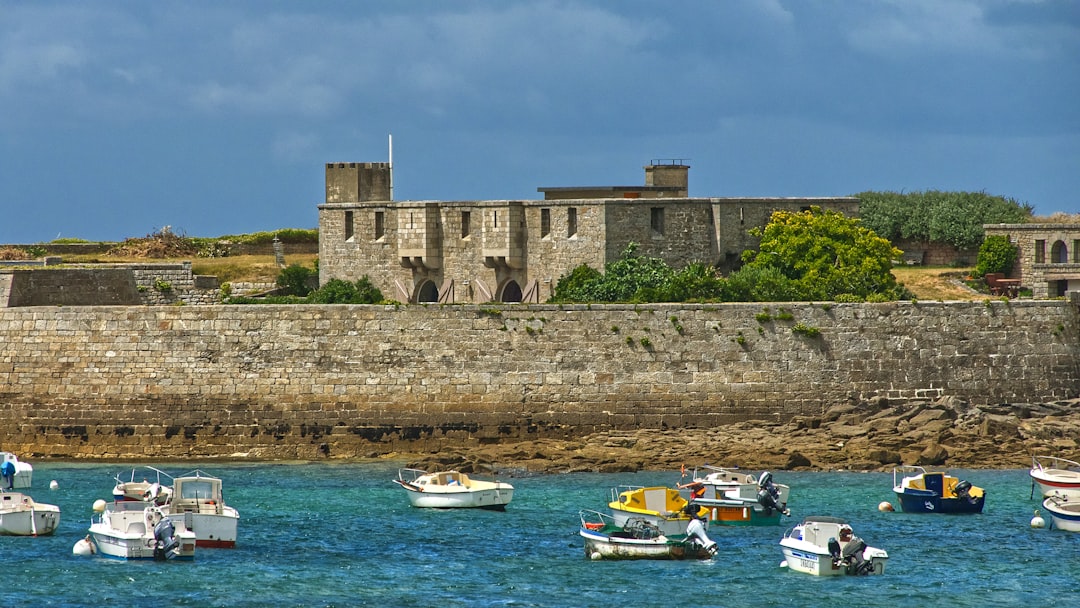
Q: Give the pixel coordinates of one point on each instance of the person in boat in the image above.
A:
(8, 471)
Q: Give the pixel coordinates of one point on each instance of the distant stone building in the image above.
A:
(1049, 256)
(516, 250)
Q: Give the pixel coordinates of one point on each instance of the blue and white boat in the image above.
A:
(922, 491)
(1064, 512)
(827, 546)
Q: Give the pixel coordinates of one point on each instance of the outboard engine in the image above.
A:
(834, 550)
(769, 495)
(852, 556)
(963, 490)
(167, 545)
(695, 531)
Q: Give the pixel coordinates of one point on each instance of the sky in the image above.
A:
(121, 117)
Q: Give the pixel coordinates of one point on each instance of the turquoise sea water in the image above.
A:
(343, 535)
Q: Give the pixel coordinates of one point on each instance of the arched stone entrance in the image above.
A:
(511, 292)
(428, 292)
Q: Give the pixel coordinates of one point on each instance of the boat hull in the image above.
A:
(38, 521)
(492, 499)
(928, 502)
(739, 515)
(211, 530)
(602, 546)
(807, 558)
(125, 530)
(1065, 515)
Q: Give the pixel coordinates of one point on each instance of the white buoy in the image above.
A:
(1038, 522)
(595, 555)
(83, 547)
(885, 507)
(53, 485)
(99, 506)
(783, 564)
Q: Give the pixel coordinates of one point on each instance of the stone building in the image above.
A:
(1049, 256)
(516, 250)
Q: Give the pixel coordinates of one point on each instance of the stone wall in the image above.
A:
(107, 285)
(343, 381)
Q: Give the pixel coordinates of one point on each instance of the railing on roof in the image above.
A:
(668, 161)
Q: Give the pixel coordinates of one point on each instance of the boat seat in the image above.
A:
(136, 527)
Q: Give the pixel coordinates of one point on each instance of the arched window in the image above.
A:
(1059, 253)
(428, 292)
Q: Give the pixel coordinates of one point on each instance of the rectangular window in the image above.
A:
(495, 219)
(466, 219)
(657, 221)
(348, 225)
(545, 222)
(571, 221)
(1076, 251)
(1040, 252)
(380, 224)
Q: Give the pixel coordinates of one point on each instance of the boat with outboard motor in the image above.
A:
(640, 539)
(1055, 476)
(453, 489)
(664, 508)
(1064, 512)
(734, 498)
(194, 501)
(21, 516)
(922, 491)
(136, 530)
(827, 546)
(22, 472)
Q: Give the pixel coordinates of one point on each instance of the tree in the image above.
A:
(996, 254)
(294, 280)
(623, 280)
(337, 291)
(818, 255)
(955, 218)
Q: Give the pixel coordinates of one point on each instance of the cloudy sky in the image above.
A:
(120, 117)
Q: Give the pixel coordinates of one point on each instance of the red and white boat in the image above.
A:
(1055, 476)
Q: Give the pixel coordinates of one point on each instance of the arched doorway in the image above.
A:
(511, 292)
(428, 292)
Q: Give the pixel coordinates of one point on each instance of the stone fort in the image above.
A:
(516, 250)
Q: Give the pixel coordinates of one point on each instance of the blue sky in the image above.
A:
(120, 117)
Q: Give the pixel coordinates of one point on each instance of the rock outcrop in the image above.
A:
(868, 436)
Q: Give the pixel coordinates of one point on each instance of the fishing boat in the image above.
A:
(734, 498)
(21, 516)
(640, 539)
(827, 546)
(137, 530)
(453, 489)
(922, 491)
(1064, 512)
(664, 508)
(1055, 476)
(197, 504)
(23, 473)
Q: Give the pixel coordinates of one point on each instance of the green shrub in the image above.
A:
(294, 280)
(996, 254)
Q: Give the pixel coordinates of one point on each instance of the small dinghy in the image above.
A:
(21, 516)
(453, 490)
(640, 539)
(1064, 512)
(922, 491)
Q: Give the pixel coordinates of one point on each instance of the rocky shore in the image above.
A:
(868, 436)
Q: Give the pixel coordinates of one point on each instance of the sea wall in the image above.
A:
(344, 381)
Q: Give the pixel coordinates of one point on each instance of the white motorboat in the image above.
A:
(453, 489)
(827, 546)
(24, 473)
(196, 503)
(1055, 476)
(734, 498)
(641, 539)
(137, 530)
(21, 516)
(147, 484)
(1064, 512)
